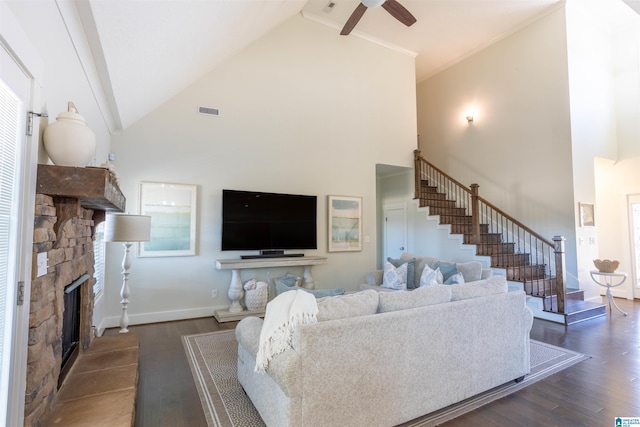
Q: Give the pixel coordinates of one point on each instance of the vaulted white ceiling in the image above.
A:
(146, 51)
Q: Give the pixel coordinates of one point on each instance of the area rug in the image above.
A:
(212, 358)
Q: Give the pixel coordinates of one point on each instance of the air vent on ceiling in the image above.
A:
(209, 111)
(329, 7)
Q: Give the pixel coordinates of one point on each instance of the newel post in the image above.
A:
(561, 275)
(475, 214)
(417, 172)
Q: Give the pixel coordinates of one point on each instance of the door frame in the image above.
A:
(635, 274)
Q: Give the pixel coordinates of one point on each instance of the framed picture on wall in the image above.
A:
(172, 208)
(345, 223)
(587, 215)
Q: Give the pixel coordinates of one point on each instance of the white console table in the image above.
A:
(609, 280)
(236, 311)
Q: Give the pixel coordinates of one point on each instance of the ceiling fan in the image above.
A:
(392, 6)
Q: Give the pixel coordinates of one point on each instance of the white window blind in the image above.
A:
(98, 252)
(10, 107)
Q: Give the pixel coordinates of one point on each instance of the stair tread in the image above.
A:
(575, 306)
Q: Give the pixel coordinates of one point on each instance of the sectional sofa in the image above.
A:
(384, 358)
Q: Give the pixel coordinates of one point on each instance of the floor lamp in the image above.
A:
(127, 229)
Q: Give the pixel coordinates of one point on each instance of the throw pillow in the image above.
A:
(394, 278)
(421, 297)
(411, 270)
(351, 305)
(455, 279)
(446, 269)
(430, 277)
(318, 293)
(471, 270)
(421, 262)
(288, 280)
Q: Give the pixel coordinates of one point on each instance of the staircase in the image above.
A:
(529, 261)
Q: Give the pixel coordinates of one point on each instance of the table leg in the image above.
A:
(308, 282)
(612, 301)
(235, 292)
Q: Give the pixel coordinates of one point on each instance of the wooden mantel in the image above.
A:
(94, 187)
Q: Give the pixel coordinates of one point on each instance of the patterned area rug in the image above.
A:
(212, 357)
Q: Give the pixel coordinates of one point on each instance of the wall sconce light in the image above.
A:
(469, 119)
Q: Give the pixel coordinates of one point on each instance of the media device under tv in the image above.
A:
(268, 222)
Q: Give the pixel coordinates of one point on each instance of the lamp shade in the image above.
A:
(127, 228)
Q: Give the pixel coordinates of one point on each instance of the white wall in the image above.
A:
(615, 181)
(518, 148)
(64, 77)
(302, 110)
(603, 40)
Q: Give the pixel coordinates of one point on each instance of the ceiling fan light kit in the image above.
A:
(394, 8)
(372, 3)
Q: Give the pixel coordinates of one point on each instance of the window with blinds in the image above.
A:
(98, 252)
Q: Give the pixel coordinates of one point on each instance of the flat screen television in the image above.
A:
(254, 220)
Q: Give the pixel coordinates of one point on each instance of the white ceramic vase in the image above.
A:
(68, 141)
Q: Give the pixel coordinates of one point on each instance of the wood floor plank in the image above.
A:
(591, 393)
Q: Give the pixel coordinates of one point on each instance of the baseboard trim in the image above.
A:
(158, 317)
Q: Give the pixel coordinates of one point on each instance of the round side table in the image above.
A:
(609, 280)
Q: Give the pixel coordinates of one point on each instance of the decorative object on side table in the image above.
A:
(68, 141)
(256, 295)
(605, 265)
(606, 276)
(127, 229)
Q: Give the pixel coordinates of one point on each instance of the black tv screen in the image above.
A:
(262, 221)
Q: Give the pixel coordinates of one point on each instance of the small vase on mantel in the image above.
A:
(68, 141)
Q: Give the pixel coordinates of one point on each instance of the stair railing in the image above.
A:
(528, 257)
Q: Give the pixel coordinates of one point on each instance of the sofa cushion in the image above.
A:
(420, 297)
(350, 305)
(319, 293)
(377, 288)
(493, 285)
(430, 276)
(374, 277)
(455, 279)
(471, 270)
(394, 278)
(411, 269)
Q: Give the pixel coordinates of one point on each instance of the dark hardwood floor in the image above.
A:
(591, 393)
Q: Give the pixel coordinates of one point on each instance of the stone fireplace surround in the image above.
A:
(70, 202)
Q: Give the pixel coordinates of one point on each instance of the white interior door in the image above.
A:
(17, 188)
(395, 231)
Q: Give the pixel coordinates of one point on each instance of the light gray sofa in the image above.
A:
(384, 358)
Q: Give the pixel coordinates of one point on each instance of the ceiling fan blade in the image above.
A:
(353, 19)
(399, 12)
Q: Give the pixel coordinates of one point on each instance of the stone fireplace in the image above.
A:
(70, 202)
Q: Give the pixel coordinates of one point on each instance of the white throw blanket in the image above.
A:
(283, 314)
